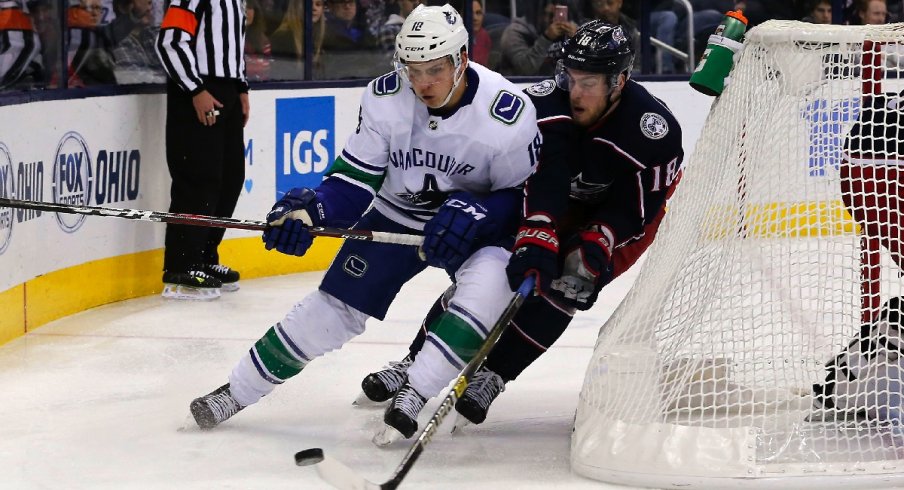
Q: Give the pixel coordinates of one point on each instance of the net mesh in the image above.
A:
(780, 242)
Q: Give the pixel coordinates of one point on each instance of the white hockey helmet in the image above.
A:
(430, 33)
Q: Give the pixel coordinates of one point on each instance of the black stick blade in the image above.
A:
(309, 456)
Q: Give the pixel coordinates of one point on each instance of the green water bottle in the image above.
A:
(717, 60)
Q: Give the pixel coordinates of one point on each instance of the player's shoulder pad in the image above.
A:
(507, 102)
(541, 89)
(655, 119)
(385, 85)
(551, 102)
(507, 106)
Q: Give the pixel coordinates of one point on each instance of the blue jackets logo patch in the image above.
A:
(654, 126)
(540, 89)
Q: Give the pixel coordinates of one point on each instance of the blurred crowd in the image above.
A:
(77, 43)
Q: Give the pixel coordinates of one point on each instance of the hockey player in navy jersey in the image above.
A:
(866, 379)
(611, 156)
(443, 145)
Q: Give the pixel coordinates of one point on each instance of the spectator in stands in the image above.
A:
(819, 12)
(257, 46)
(530, 42)
(20, 48)
(44, 16)
(610, 11)
(664, 22)
(851, 11)
(394, 24)
(129, 15)
(287, 42)
(480, 51)
(90, 53)
(872, 12)
(134, 56)
(273, 12)
(668, 20)
(343, 31)
(759, 11)
(374, 13)
(708, 15)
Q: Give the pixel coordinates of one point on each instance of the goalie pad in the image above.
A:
(866, 376)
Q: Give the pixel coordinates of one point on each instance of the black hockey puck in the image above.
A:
(309, 456)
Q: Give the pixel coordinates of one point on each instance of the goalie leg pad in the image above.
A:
(865, 376)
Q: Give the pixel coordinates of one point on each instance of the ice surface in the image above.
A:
(100, 400)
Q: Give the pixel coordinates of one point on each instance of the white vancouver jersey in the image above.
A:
(489, 143)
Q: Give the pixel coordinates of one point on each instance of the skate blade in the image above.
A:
(364, 402)
(460, 423)
(386, 436)
(230, 287)
(179, 291)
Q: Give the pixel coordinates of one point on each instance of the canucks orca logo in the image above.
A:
(450, 18)
(429, 196)
(71, 178)
(429, 199)
(6, 190)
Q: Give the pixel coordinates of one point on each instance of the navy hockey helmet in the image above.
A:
(597, 47)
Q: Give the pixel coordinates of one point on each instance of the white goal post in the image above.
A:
(759, 276)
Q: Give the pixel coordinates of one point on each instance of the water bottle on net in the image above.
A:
(718, 59)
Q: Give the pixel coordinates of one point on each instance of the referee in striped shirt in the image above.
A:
(201, 44)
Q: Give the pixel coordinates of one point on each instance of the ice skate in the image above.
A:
(473, 405)
(382, 385)
(401, 416)
(194, 285)
(228, 276)
(212, 409)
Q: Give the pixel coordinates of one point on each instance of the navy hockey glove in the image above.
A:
(586, 270)
(536, 252)
(289, 221)
(456, 231)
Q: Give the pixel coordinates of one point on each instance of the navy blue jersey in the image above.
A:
(875, 139)
(615, 175)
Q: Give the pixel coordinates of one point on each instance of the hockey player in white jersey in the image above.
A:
(443, 146)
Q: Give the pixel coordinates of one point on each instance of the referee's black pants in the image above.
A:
(207, 167)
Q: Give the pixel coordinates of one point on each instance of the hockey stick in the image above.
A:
(341, 476)
(207, 221)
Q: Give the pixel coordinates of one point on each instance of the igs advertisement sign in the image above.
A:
(305, 141)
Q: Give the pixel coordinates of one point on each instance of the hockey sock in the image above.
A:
(276, 357)
(456, 336)
(534, 329)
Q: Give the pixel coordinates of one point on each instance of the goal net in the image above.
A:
(764, 270)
